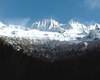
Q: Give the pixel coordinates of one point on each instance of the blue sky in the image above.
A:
(25, 12)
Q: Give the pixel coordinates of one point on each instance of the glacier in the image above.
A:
(49, 29)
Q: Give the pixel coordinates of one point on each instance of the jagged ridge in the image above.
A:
(51, 29)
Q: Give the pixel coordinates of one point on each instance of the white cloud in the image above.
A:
(89, 23)
(18, 21)
(92, 4)
(85, 22)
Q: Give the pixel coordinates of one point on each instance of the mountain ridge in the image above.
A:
(51, 29)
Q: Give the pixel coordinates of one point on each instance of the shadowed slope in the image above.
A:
(17, 65)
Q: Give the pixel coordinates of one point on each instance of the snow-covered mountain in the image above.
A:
(51, 29)
(53, 26)
(94, 27)
(47, 25)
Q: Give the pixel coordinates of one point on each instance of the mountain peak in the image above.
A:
(72, 21)
(49, 19)
(45, 25)
(53, 26)
(97, 26)
(51, 22)
(2, 25)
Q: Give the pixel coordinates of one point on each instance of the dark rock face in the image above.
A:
(14, 65)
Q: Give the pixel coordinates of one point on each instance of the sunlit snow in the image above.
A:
(49, 29)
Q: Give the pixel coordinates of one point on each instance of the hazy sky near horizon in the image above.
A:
(25, 12)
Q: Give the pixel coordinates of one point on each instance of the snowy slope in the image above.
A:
(49, 29)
